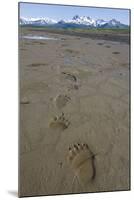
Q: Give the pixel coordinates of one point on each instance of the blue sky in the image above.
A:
(67, 12)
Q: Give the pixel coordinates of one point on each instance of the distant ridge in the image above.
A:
(76, 21)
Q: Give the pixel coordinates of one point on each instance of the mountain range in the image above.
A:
(77, 21)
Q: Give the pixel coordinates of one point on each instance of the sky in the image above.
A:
(59, 12)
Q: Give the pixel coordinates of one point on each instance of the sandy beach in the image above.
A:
(73, 90)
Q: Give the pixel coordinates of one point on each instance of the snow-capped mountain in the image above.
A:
(37, 21)
(80, 21)
(113, 23)
(100, 22)
(83, 20)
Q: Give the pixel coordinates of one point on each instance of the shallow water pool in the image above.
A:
(36, 37)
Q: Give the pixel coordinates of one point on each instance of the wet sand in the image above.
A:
(73, 90)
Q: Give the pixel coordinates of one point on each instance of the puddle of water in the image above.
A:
(36, 37)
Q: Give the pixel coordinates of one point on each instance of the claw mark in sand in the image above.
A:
(70, 76)
(59, 122)
(61, 100)
(80, 158)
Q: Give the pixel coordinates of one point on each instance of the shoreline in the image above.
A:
(117, 37)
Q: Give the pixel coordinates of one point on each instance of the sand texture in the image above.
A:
(73, 90)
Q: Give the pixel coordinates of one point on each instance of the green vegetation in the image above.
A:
(79, 30)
